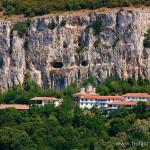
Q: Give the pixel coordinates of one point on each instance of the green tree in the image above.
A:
(118, 125)
(12, 138)
(141, 109)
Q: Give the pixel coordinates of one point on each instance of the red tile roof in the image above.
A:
(145, 95)
(44, 99)
(103, 97)
(84, 93)
(123, 103)
(17, 106)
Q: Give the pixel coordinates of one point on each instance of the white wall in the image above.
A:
(89, 103)
(55, 102)
(136, 99)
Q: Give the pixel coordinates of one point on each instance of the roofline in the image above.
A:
(44, 99)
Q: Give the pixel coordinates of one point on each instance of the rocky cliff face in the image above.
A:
(116, 50)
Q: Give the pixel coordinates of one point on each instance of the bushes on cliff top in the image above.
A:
(147, 40)
(52, 25)
(21, 28)
(63, 23)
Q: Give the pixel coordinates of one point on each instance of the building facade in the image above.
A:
(137, 97)
(116, 105)
(84, 91)
(88, 101)
(41, 101)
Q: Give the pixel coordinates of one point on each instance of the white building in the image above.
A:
(41, 101)
(88, 101)
(137, 96)
(116, 105)
(89, 90)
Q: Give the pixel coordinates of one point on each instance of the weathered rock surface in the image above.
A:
(120, 50)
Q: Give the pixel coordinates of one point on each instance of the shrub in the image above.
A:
(96, 43)
(52, 25)
(63, 23)
(40, 7)
(105, 46)
(9, 11)
(117, 38)
(26, 42)
(147, 40)
(21, 28)
(126, 3)
(1, 7)
(97, 25)
(10, 50)
(79, 49)
(146, 43)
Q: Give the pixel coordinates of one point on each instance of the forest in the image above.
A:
(31, 8)
(68, 127)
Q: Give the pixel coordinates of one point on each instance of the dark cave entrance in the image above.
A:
(57, 64)
(84, 63)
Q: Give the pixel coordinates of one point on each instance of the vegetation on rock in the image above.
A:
(63, 23)
(26, 42)
(96, 43)
(21, 28)
(80, 49)
(97, 25)
(52, 25)
(147, 40)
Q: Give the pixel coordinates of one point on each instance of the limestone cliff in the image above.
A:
(116, 50)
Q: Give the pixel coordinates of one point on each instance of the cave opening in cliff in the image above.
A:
(64, 44)
(84, 63)
(57, 64)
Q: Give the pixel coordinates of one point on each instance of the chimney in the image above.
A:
(94, 89)
(82, 90)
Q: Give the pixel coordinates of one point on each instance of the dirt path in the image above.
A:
(80, 12)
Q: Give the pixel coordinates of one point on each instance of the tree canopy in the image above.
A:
(39, 7)
(69, 127)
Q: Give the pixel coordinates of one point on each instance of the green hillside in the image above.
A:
(40, 7)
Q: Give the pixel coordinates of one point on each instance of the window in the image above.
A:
(86, 103)
(81, 103)
(91, 103)
(39, 102)
(86, 100)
